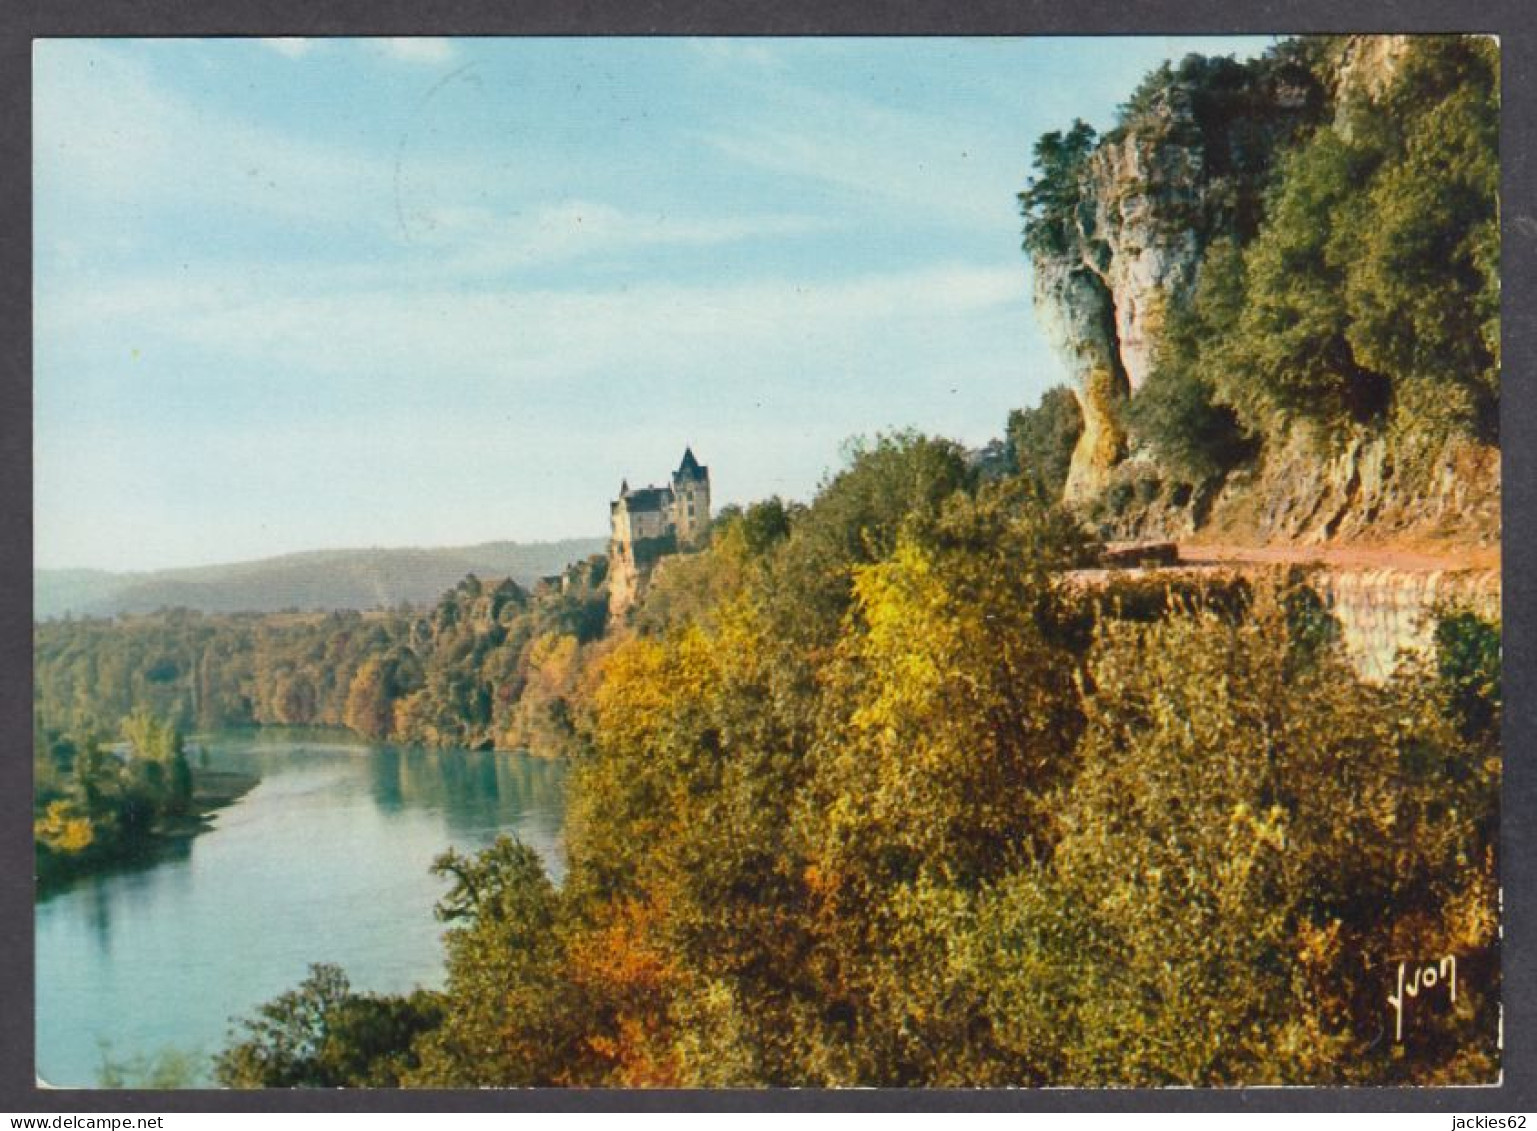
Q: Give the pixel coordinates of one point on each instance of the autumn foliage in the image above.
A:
(951, 821)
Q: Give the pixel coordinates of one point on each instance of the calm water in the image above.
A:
(325, 861)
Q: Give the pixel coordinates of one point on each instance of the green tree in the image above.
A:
(1050, 203)
(1422, 285)
(1041, 440)
(1370, 293)
(1193, 435)
(93, 774)
(323, 1035)
(168, 1068)
(855, 519)
(159, 768)
(1468, 665)
(511, 1016)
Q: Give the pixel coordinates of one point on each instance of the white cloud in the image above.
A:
(290, 319)
(416, 49)
(291, 46)
(472, 242)
(770, 374)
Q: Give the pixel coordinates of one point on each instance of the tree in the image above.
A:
(63, 828)
(284, 1043)
(160, 768)
(1468, 667)
(322, 1035)
(1253, 838)
(371, 696)
(149, 738)
(950, 711)
(1291, 352)
(1050, 203)
(1193, 435)
(856, 518)
(1041, 441)
(1422, 286)
(511, 1016)
(1369, 295)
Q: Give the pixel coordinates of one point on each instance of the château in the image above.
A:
(648, 523)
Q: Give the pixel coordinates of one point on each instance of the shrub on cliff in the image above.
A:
(1371, 290)
(1050, 203)
(1176, 412)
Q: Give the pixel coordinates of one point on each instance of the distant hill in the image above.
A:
(321, 579)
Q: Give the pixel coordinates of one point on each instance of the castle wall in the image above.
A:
(647, 524)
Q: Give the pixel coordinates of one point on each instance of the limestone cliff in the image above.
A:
(1077, 315)
(624, 584)
(1186, 165)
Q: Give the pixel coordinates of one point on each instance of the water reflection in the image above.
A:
(385, 780)
(475, 790)
(327, 860)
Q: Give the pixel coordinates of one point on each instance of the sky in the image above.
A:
(304, 294)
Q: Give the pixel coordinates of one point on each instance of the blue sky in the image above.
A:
(323, 293)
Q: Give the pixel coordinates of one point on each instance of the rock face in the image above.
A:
(1077, 314)
(1368, 491)
(1365, 68)
(1141, 186)
(1186, 166)
(624, 582)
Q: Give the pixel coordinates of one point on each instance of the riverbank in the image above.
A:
(330, 860)
(212, 790)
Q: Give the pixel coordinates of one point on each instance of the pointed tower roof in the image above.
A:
(689, 464)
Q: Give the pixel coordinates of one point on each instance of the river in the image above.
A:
(326, 860)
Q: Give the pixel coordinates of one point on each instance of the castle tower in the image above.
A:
(691, 500)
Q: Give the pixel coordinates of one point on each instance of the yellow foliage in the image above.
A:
(63, 829)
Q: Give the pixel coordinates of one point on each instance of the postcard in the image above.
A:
(702, 562)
